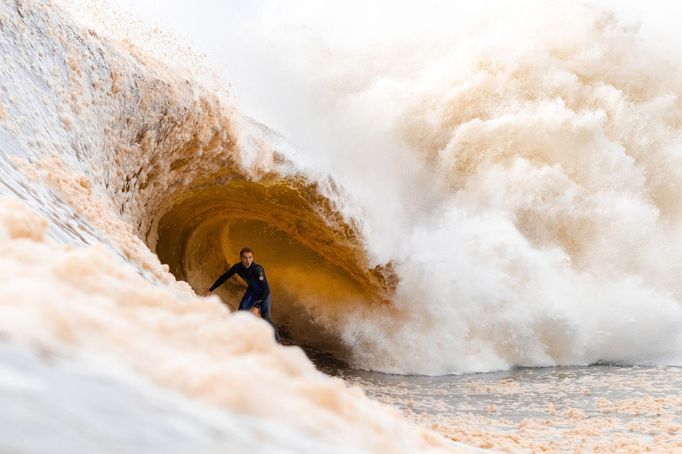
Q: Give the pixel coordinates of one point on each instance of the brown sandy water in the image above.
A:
(599, 408)
(99, 146)
(126, 186)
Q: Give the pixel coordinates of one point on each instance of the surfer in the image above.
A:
(257, 292)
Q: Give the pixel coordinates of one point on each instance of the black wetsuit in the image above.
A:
(257, 292)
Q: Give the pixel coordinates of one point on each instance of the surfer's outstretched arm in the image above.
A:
(224, 277)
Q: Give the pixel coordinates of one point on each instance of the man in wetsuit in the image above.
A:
(258, 291)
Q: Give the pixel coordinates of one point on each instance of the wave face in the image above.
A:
(500, 195)
(104, 150)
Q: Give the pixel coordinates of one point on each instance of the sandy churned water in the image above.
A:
(568, 409)
(541, 164)
(84, 172)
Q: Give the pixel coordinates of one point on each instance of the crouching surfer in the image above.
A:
(257, 293)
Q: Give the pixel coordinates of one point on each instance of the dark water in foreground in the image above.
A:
(606, 405)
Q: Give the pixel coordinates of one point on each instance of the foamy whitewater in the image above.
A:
(102, 349)
(465, 195)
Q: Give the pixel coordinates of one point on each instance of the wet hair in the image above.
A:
(245, 250)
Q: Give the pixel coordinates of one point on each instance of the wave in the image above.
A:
(517, 207)
(104, 152)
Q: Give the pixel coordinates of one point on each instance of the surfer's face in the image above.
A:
(247, 259)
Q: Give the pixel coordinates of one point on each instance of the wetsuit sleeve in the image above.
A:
(264, 280)
(224, 277)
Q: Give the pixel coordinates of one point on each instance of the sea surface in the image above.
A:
(439, 195)
(602, 406)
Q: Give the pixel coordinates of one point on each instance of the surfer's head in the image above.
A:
(246, 256)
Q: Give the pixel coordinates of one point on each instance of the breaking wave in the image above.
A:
(103, 151)
(519, 205)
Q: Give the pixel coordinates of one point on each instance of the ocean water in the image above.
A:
(609, 408)
(104, 349)
(457, 211)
